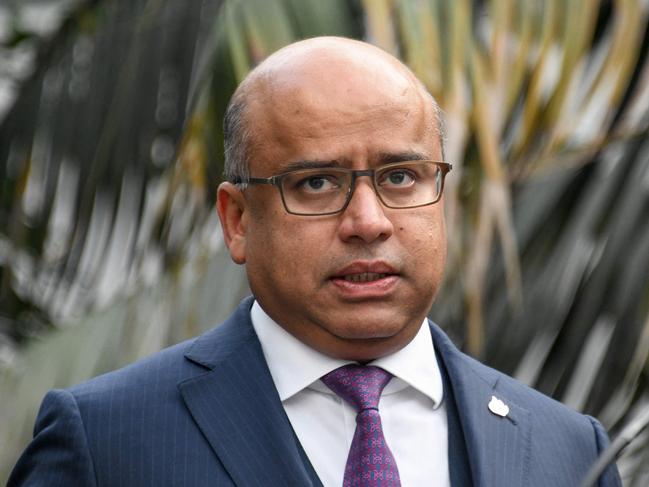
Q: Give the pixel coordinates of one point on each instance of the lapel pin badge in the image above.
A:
(498, 407)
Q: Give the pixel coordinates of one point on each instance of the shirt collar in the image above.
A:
(295, 366)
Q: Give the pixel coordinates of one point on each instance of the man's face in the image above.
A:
(358, 113)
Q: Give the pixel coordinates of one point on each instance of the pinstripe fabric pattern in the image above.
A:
(211, 420)
(540, 442)
(459, 468)
(206, 412)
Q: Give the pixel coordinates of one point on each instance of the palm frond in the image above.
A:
(110, 152)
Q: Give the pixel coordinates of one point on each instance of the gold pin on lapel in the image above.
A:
(498, 407)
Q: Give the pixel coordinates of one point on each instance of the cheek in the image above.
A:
(425, 240)
(261, 237)
(285, 246)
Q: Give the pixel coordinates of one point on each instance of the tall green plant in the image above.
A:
(111, 154)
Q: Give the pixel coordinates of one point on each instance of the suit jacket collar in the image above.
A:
(498, 447)
(237, 407)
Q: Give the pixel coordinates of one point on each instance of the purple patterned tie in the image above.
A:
(370, 462)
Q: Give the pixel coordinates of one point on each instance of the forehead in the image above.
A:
(333, 106)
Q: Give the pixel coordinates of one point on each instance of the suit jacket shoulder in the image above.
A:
(539, 441)
(206, 412)
(203, 412)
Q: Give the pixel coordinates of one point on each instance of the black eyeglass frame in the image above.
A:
(276, 181)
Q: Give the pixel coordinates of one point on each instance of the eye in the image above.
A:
(319, 183)
(397, 178)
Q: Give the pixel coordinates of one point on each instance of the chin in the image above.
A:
(369, 341)
(369, 335)
(366, 350)
(368, 329)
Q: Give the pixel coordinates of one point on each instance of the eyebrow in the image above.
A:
(383, 158)
(313, 164)
(388, 157)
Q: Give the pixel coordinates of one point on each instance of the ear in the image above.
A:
(232, 210)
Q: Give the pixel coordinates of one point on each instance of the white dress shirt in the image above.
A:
(411, 408)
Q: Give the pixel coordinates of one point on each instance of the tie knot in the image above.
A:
(359, 385)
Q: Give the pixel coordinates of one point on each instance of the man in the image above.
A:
(334, 204)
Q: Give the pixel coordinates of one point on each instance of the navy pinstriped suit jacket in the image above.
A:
(206, 413)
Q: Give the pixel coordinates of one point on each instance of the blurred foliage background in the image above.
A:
(111, 151)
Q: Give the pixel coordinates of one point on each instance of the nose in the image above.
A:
(364, 219)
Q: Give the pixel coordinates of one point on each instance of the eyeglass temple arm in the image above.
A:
(272, 180)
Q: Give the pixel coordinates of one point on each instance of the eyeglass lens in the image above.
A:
(401, 185)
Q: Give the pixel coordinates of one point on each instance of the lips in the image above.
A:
(365, 279)
(363, 271)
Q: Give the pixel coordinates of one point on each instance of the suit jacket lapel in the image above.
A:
(498, 447)
(238, 409)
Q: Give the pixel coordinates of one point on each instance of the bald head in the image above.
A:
(314, 73)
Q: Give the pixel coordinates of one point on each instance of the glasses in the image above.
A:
(327, 191)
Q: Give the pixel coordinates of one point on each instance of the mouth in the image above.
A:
(364, 280)
(374, 269)
(365, 277)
